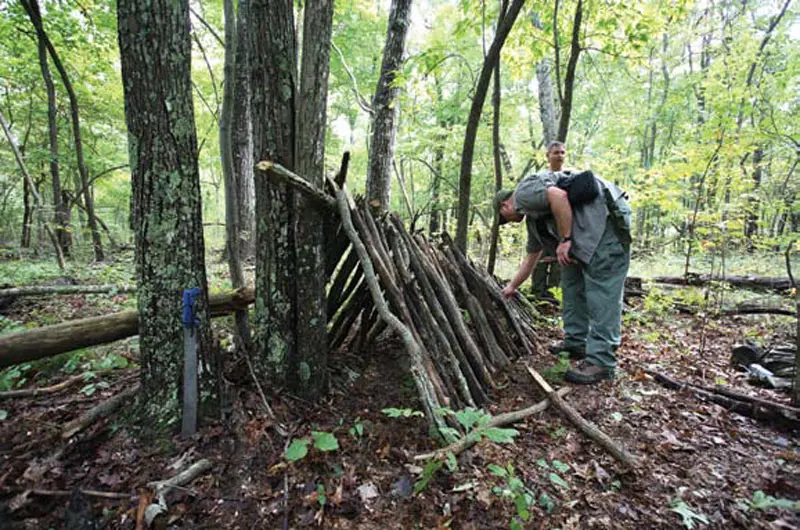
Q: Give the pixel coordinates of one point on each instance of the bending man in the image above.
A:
(586, 220)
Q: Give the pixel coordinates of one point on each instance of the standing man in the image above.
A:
(586, 221)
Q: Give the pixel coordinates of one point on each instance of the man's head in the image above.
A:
(504, 206)
(556, 154)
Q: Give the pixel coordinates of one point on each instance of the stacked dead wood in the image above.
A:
(457, 327)
(466, 331)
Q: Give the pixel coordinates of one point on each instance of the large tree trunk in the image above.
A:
(242, 135)
(467, 154)
(60, 207)
(232, 214)
(273, 83)
(155, 51)
(569, 81)
(384, 107)
(308, 368)
(33, 12)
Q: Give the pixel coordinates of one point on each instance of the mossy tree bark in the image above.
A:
(290, 281)
(155, 51)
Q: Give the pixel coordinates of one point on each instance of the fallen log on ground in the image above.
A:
(497, 421)
(38, 343)
(601, 438)
(758, 409)
(43, 290)
(745, 282)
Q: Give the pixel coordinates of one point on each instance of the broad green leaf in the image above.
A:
(3, 414)
(688, 516)
(496, 470)
(558, 481)
(560, 466)
(499, 435)
(325, 441)
(297, 449)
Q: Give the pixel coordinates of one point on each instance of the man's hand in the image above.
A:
(562, 252)
(509, 290)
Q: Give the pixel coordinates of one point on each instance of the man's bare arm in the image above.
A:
(522, 274)
(562, 211)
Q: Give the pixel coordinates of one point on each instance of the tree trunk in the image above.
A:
(548, 112)
(32, 186)
(385, 110)
(232, 214)
(290, 308)
(751, 221)
(467, 154)
(498, 163)
(155, 51)
(33, 11)
(308, 368)
(569, 81)
(242, 135)
(61, 215)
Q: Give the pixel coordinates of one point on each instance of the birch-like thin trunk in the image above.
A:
(381, 149)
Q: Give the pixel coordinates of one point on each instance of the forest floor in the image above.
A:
(703, 467)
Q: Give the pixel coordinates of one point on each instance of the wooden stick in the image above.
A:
(587, 428)
(100, 411)
(297, 182)
(425, 388)
(33, 392)
(496, 421)
(88, 493)
(162, 487)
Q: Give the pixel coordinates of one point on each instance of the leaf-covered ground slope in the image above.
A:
(703, 466)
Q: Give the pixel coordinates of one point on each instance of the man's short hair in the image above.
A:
(555, 143)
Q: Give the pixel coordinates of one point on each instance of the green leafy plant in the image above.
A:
(14, 377)
(357, 430)
(555, 373)
(515, 490)
(657, 303)
(321, 440)
(762, 501)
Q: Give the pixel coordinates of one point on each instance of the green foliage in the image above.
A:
(688, 516)
(14, 377)
(657, 303)
(429, 471)
(555, 373)
(762, 501)
(513, 488)
(320, 440)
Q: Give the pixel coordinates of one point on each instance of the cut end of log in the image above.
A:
(265, 165)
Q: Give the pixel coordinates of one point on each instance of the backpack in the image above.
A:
(581, 187)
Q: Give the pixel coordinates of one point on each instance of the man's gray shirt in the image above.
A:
(588, 221)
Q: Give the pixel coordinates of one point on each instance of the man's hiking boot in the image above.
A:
(576, 353)
(586, 373)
